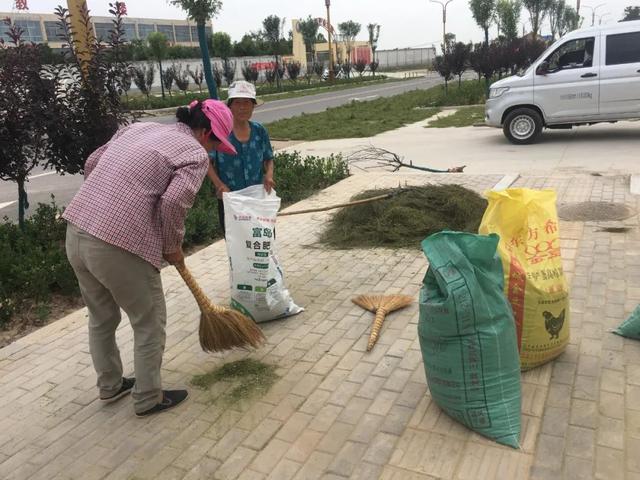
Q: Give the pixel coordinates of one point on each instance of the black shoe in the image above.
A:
(127, 385)
(170, 399)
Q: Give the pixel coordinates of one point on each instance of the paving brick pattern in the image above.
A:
(337, 411)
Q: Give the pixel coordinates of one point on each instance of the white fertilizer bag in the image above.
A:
(257, 281)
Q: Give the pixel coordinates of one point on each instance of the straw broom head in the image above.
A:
(381, 305)
(221, 328)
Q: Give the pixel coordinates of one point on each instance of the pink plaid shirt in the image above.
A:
(138, 188)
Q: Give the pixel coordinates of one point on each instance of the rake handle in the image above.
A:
(381, 314)
(341, 205)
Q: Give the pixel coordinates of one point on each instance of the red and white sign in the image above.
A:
(263, 65)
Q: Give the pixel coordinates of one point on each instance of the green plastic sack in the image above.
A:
(468, 337)
(630, 328)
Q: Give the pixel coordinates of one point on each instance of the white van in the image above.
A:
(589, 76)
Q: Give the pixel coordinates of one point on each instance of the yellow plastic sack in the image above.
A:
(527, 222)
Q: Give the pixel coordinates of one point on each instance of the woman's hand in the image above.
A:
(269, 184)
(175, 257)
(220, 189)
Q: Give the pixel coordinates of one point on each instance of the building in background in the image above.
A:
(45, 28)
(360, 51)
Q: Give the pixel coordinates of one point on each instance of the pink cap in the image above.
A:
(221, 120)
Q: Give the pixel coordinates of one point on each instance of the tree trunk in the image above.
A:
(460, 81)
(206, 61)
(23, 204)
(278, 83)
(486, 36)
(161, 78)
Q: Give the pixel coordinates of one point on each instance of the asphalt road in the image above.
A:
(42, 184)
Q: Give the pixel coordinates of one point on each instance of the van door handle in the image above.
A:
(589, 75)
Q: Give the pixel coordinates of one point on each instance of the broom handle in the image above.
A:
(199, 295)
(381, 313)
(341, 205)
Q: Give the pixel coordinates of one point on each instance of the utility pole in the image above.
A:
(444, 22)
(81, 34)
(331, 72)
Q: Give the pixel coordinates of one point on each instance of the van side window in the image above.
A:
(623, 48)
(573, 54)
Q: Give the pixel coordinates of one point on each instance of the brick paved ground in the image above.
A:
(338, 412)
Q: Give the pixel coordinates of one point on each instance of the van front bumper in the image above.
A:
(493, 113)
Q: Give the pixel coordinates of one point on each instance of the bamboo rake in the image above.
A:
(381, 305)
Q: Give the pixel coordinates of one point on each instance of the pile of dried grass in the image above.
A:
(404, 220)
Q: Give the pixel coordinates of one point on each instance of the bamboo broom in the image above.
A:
(221, 328)
(381, 305)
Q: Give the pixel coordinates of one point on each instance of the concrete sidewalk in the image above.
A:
(338, 412)
(600, 148)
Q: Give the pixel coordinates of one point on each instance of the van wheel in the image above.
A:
(522, 126)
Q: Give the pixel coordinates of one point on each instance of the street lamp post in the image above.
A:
(593, 12)
(601, 17)
(444, 21)
(331, 73)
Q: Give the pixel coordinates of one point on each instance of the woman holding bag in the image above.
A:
(253, 162)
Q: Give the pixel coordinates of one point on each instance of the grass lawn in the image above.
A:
(365, 119)
(465, 117)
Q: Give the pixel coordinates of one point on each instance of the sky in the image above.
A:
(404, 23)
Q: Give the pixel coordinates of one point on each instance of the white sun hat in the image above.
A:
(242, 89)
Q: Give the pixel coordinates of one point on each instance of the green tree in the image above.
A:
(158, 47)
(26, 103)
(272, 33)
(221, 44)
(562, 18)
(309, 31)
(631, 13)
(538, 10)
(201, 11)
(483, 13)
(246, 47)
(556, 17)
(572, 20)
(374, 35)
(349, 31)
(459, 54)
(508, 12)
(57, 115)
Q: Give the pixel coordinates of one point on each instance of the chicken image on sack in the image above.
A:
(535, 284)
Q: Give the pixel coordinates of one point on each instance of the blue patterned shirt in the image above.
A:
(246, 168)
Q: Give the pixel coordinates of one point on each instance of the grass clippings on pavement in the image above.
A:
(464, 117)
(249, 378)
(406, 219)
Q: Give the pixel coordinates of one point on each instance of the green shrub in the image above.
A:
(201, 224)
(177, 100)
(296, 177)
(33, 262)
